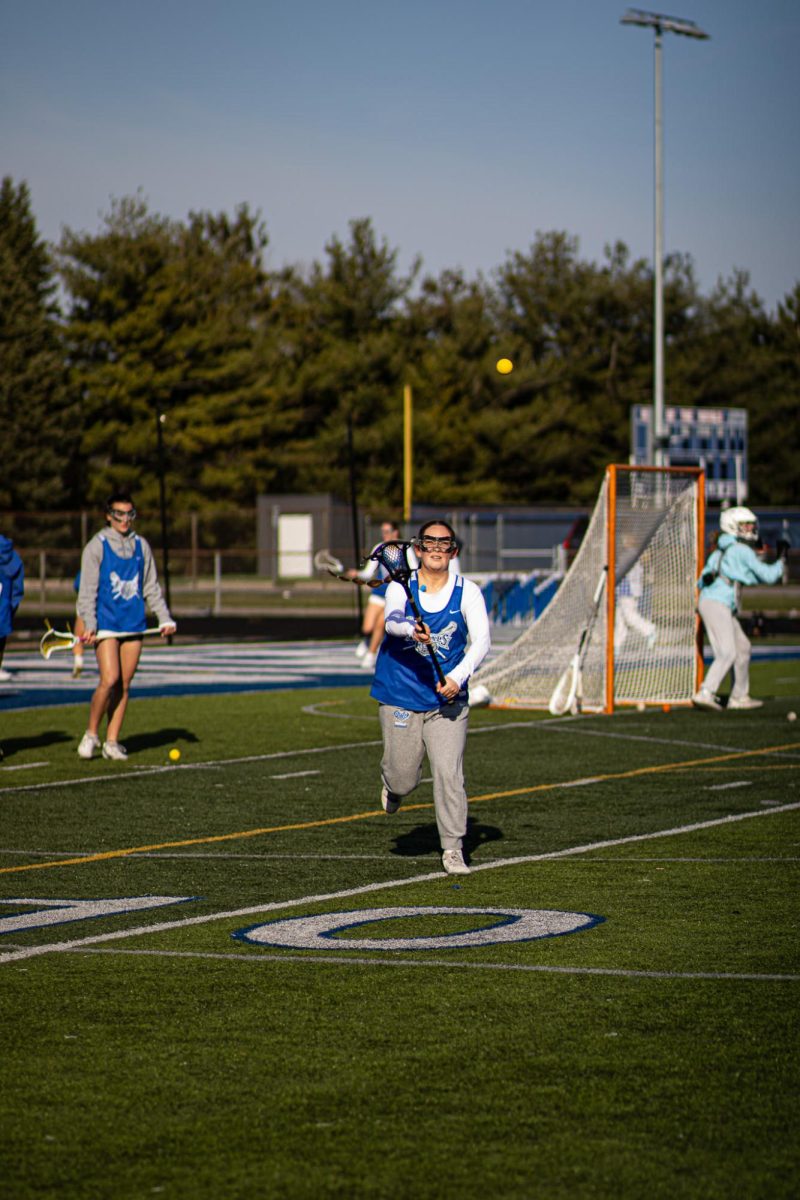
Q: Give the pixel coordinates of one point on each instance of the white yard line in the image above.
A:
(295, 774)
(367, 889)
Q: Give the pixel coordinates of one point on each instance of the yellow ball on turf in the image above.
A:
(175, 755)
(505, 366)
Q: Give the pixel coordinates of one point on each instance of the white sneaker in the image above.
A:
(706, 699)
(744, 702)
(453, 862)
(368, 661)
(88, 744)
(361, 649)
(115, 750)
(4, 675)
(77, 665)
(389, 802)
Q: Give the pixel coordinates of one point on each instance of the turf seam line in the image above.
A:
(365, 889)
(339, 959)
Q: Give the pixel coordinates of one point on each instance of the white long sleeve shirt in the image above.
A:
(473, 608)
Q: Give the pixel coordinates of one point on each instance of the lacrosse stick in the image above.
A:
(394, 558)
(54, 640)
(568, 692)
(325, 561)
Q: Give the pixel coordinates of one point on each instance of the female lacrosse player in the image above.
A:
(417, 713)
(731, 564)
(118, 575)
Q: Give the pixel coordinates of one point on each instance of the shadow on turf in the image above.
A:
(425, 840)
(136, 742)
(37, 741)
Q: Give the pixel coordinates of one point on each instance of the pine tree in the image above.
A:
(36, 415)
(167, 323)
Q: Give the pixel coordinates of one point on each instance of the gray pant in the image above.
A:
(729, 645)
(443, 733)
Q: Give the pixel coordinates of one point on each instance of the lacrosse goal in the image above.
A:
(624, 614)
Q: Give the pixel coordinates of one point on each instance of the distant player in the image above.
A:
(626, 607)
(372, 625)
(118, 575)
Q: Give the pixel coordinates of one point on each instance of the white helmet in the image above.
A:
(732, 519)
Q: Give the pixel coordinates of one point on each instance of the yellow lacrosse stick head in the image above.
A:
(54, 639)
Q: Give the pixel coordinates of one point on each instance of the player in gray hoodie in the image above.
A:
(118, 578)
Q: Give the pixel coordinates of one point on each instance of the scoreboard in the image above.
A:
(712, 438)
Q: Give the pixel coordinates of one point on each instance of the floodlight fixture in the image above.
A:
(660, 23)
(663, 23)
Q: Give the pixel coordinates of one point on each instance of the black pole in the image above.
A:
(351, 463)
(162, 494)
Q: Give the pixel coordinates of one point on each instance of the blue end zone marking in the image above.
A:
(286, 667)
(46, 698)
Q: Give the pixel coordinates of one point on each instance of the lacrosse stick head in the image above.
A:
(325, 561)
(398, 559)
(54, 640)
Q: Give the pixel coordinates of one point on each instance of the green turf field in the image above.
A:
(152, 1046)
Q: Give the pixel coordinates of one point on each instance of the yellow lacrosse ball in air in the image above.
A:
(175, 754)
(505, 366)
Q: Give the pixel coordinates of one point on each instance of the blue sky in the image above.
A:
(460, 129)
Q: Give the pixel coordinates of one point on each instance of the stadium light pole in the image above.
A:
(351, 471)
(162, 500)
(660, 24)
(408, 452)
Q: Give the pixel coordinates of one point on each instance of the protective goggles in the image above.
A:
(430, 544)
(128, 514)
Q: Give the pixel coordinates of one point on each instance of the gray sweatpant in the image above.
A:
(729, 645)
(442, 732)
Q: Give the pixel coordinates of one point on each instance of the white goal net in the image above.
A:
(634, 641)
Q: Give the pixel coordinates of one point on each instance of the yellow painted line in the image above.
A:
(198, 841)
(793, 766)
(692, 762)
(365, 816)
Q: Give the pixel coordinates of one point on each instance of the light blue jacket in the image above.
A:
(732, 564)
